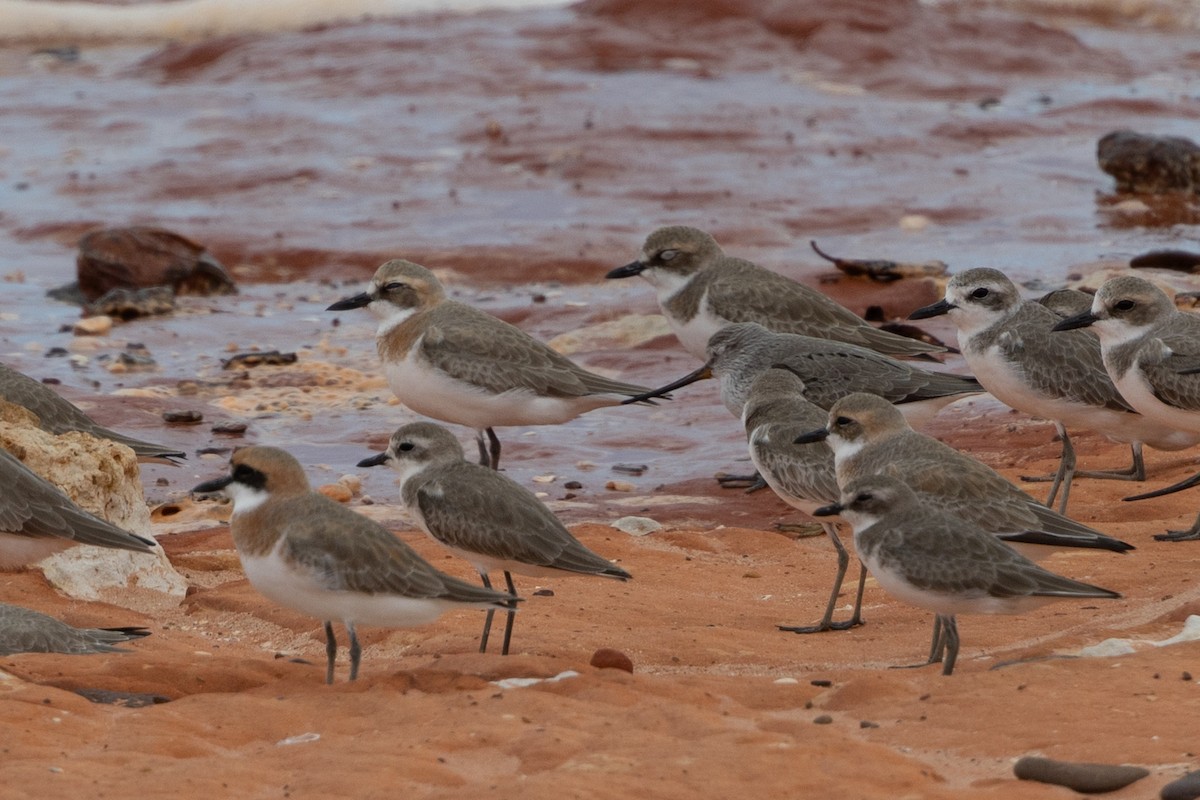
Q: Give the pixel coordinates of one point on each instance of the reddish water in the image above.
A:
(530, 152)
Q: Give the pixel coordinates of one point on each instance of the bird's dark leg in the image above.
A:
(1192, 534)
(330, 651)
(487, 622)
(512, 614)
(827, 623)
(484, 459)
(950, 630)
(355, 651)
(494, 462)
(751, 483)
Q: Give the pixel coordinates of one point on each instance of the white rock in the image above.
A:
(637, 526)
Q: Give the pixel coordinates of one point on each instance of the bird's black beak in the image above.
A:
(377, 460)
(691, 377)
(215, 485)
(831, 510)
(357, 301)
(1186, 483)
(819, 435)
(1077, 321)
(933, 310)
(627, 271)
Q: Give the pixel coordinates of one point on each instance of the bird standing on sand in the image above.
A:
(937, 561)
(451, 362)
(701, 290)
(304, 551)
(483, 516)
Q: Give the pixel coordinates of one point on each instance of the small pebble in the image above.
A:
(351, 482)
(637, 526)
(229, 428)
(821, 682)
(336, 491)
(824, 719)
(630, 469)
(572, 485)
(619, 486)
(1082, 777)
(544, 593)
(1185, 788)
(99, 325)
(183, 417)
(866, 723)
(608, 658)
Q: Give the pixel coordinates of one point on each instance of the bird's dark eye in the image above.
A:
(406, 446)
(667, 255)
(864, 497)
(980, 293)
(1123, 305)
(842, 421)
(394, 286)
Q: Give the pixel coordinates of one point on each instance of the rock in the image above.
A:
(336, 491)
(1185, 788)
(129, 304)
(619, 486)
(823, 719)
(626, 332)
(608, 658)
(99, 325)
(637, 526)
(102, 477)
(183, 417)
(1150, 164)
(1082, 777)
(351, 482)
(139, 257)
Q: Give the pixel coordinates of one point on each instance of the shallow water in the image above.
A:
(529, 152)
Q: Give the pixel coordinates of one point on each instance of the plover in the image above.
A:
(775, 412)
(23, 630)
(37, 520)
(941, 562)
(58, 415)
(483, 516)
(869, 436)
(454, 363)
(701, 290)
(1009, 345)
(737, 354)
(304, 551)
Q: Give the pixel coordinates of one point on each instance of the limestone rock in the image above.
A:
(626, 332)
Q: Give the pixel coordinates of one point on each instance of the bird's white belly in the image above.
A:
(433, 393)
(695, 333)
(939, 602)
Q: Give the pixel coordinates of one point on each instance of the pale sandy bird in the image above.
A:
(304, 551)
(701, 290)
(929, 558)
(737, 354)
(775, 413)
(483, 516)
(23, 630)
(1151, 350)
(1011, 348)
(451, 362)
(869, 436)
(58, 415)
(37, 520)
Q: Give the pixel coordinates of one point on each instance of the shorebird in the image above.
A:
(1151, 350)
(941, 562)
(454, 363)
(23, 630)
(775, 412)
(737, 354)
(1009, 345)
(304, 551)
(37, 520)
(701, 290)
(869, 436)
(483, 516)
(57, 415)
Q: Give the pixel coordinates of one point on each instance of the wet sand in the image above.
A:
(524, 155)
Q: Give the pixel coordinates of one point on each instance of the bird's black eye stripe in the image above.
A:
(249, 476)
(406, 446)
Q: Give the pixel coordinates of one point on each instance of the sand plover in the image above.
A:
(304, 551)
(483, 516)
(941, 562)
(37, 520)
(58, 415)
(737, 354)
(451, 362)
(701, 290)
(775, 412)
(23, 630)
(869, 436)
(1009, 345)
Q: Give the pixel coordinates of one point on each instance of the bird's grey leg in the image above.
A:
(512, 614)
(950, 629)
(355, 651)
(827, 623)
(491, 613)
(494, 462)
(484, 458)
(1192, 534)
(330, 651)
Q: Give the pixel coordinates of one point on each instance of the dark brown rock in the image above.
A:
(1185, 788)
(608, 658)
(140, 257)
(1082, 777)
(1150, 164)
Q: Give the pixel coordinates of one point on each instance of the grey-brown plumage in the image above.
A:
(869, 436)
(58, 416)
(802, 475)
(23, 630)
(939, 561)
(701, 289)
(37, 520)
(482, 515)
(737, 354)
(1010, 345)
(304, 551)
(451, 362)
